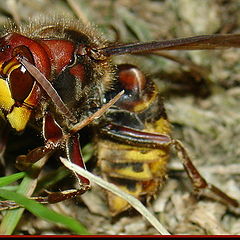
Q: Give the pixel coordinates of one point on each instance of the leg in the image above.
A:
(54, 138)
(199, 183)
(74, 155)
(139, 138)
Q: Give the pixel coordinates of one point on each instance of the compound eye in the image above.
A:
(20, 83)
(19, 80)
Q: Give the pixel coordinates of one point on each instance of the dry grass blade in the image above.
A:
(114, 189)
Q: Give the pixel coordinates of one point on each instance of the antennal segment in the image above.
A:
(202, 42)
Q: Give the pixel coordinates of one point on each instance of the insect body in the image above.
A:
(138, 170)
(76, 88)
(60, 74)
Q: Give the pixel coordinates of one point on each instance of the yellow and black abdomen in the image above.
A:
(137, 168)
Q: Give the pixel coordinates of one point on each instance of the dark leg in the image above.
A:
(54, 138)
(135, 137)
(199, 183)
(139, 138)
(25, 161)
(74, 155)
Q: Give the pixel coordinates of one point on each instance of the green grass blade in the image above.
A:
(52, 178)
(27, 186)
(43, 212)
(12, 178)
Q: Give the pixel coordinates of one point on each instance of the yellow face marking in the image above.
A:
(6, 101)
(10, 67)
(19, 116)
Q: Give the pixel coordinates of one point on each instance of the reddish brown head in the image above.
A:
(19, 93)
